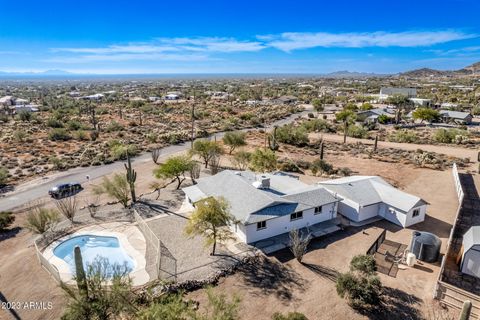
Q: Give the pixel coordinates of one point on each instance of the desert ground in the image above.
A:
(282, 284)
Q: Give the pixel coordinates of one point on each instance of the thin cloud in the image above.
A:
(290, 41)
(127, 57)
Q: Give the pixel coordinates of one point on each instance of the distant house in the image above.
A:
(172, 96)
(421, 102)
(28, 108)
(285, 100)
(456, 116)
(370, 197)
(373, 114)
(470, 253)
(7, 101)
(93, 97)
(408, 92)
(266, 205)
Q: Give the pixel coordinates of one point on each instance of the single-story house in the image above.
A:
(373, 114)
(7, 101)
(266, 205)
(456, 116)
(285, 100)
(369, 197)
(471, 252)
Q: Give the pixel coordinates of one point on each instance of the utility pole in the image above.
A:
(193, 119)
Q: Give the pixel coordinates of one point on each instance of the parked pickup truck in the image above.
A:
(64, 190)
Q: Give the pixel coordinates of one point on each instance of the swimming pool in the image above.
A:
(93, 247)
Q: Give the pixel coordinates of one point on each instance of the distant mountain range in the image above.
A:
(43, 73)
(473, 69)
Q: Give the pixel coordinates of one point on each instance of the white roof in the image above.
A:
(367, 190)
(471, 238)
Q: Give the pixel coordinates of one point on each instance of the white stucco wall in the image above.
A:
(368, 212)
(283, 224)
(410, 220)
(349, 209)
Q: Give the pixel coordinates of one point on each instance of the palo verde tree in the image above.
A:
(234, 139)
(209, 220)
(263, 160)
(402, 103)
(347, 117)
(174, 168)
(426, 114)
(117, 188)
(207, 150)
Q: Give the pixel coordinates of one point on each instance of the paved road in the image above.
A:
(31, 191)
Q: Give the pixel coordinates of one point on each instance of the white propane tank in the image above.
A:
(411, 259)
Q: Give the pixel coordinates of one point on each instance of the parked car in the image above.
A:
(64, 189)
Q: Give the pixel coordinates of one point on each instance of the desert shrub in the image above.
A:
(344, 171)
(74, 125)
(59, 134)
(54, 123)
(40, 219)
(114, 126)
(6, 219)
(318, 125)
(25, 115)
(357, 132)
(247, 116)
(457, 136)
(58, 164)
(120, 151)
(4, 118)
(289, 134)
(360, 291)
(288, 166)
(81, 135)
(20, 135)
(3, 176)
(403, 136)
(360, 286)
(152, 137)
(289, 316)
(241, 159)
(321, 166)
(384, 119)
(363, 263)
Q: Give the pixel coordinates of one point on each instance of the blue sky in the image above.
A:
(237, 36)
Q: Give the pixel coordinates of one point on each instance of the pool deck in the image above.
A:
(131, 240)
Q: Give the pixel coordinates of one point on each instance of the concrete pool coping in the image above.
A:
(130, 238)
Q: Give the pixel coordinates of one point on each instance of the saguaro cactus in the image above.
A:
(322, 145)
(272, 142)
(131, 178)
(376, 144)
(467, 308)
(80, 272)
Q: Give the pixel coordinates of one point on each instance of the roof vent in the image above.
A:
(265, 182)
(238, 173)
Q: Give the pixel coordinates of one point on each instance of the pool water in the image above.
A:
(94, 247)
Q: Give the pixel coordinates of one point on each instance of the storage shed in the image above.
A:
(471, 252)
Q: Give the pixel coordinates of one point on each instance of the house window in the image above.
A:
(416, 213)
(296, 215)
(261, 225)
(318, 210)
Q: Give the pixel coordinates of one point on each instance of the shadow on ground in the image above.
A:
(395, 305)
(271, 278)
(10, 233)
